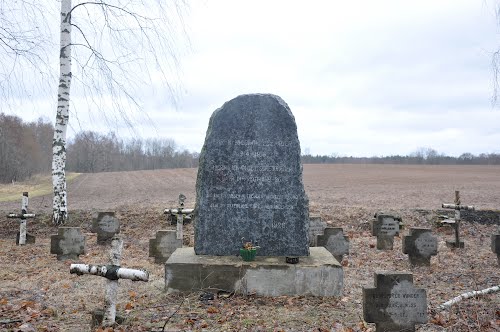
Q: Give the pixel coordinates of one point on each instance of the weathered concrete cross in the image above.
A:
(180, 213)
(456, 224)
(23, 216)
(112, 272)
(394, 304)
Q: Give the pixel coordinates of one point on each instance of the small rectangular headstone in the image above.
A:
(394, 304)
(420, 245)
(163, 245)
(106, 225)
(495, 245)
(335, 242)
(316, 227)
(385, 227)
(69, 243)
(249, 182)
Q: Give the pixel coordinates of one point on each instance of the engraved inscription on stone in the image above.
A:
(394, 304)
(420, 245)
(385, 227)
(69, 243)
(249, 182)
(106, 225)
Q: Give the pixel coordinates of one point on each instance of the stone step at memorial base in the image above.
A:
(319, 274)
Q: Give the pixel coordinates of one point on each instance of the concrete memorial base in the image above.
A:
(319, 274)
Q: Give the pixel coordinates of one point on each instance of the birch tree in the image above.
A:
(60, 206)
(123, 44)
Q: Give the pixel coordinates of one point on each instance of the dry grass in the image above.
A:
(37, 185)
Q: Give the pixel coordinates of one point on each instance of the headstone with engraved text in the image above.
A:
(106, 225)
(420, 245)
(316, 227)
(394, 304)
(385, 227)
(69, 243)
(249, 182)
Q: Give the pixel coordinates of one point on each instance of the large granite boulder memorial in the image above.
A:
(249, 181)
(249, 189)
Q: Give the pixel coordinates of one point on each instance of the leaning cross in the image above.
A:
(456, 224)
(23, 216)
(112, 272)
(180, 212)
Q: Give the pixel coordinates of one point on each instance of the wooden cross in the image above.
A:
(180, 213)
(112, 272)
(456, 224)
(22, 216)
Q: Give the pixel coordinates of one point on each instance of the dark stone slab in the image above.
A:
(249, 181)
(385, 227)
(106, 225)
(420, 245)
(163, 245)
(69, 243)
(495, 245)
(335, 242)
(394, 304)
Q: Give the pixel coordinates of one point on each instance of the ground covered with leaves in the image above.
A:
(37, 292)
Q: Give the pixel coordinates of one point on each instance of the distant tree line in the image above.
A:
(423, 156)
(91, 152)
(26, 150)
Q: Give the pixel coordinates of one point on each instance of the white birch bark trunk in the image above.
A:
(60, 211)
(22, 224)
(180, 223)
(111, 295)
(467, 295)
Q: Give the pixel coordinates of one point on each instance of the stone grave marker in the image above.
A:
(22, 236)
(316, 227)
(456, 243)
(249, 182)
(106, 225)
(113, 272)
(420, 245)
(163, 245)
(335, 242)
(385, 227)
(69, 243)
(495, 245)
(394, 304)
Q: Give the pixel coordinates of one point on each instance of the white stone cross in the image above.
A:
(457, 207)
(179, 213)
(112, 272)
(23, 216)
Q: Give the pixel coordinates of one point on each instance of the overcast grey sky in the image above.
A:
(362, 78)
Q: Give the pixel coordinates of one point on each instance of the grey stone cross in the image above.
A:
(335, 242)
(106, 225)
(163, 245)
(385, 227)
(394, 304)
(69, 243)
(420, 245)
(22, 236)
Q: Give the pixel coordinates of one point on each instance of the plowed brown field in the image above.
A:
(37, 293)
